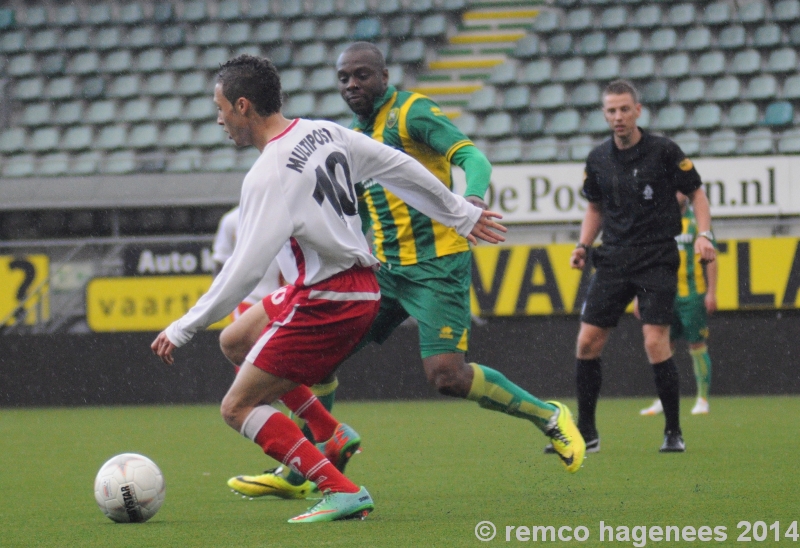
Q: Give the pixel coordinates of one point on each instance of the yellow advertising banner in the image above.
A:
(537, 280)
(23, 279)
(143, 303)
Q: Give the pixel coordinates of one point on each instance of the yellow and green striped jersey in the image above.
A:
(691, 281)
(414, 124)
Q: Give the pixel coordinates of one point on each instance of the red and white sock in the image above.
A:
(281, 439)
(304, 404)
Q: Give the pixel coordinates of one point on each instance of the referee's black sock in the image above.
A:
(666, 377)
(588, 377)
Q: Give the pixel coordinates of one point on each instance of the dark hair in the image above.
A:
(380, 61)
(254, 78)
(621, 87)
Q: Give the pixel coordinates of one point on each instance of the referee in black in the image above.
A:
(630, 183)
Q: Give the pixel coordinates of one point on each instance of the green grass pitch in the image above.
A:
(435, 469)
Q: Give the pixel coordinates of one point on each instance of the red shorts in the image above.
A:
(315, 328)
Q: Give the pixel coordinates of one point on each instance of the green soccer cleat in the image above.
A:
(336, 506)
(341, 447)
(271, 482)
(566, 438)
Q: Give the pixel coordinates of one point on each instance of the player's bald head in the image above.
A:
(366, 52)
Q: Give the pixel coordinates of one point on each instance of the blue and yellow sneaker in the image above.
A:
(341, 447)
(271, 482)
(336, 506)
(566, 438)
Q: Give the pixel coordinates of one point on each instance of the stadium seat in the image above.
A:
(173, 37)
(585, 95)
(29, 89)
(127, 85)
(35, 16)
(300, 105)
(663, 40)
(200, 108)
(757, 141)
(77, 138)
(311, 55)
(530, 124)
(236, 34)
(563, 122)
(166, 109)
(718, 13)
(645, 118)
(86, 163)
(106, 38)
(229, 10)
(670, 118)
(258, 9)
(292, 80)
(707, 116)
(76, 39)
(546, 22)
(550, 96)
(506, 151)
(160, 84)
(99, 14)
(432, 26)
(101, 112)
(560, 44)
(212, 58)
(710, 64)
(794, 35)
(388, 7)
(782, 60)
(13, 140)
(791, 87)
(22, 65)
(692, 90)
(517, 98)
(627, 41)
(177, 135)
(68, 113)
(136, 110)
(118, 163)
(281, 56)
(537, 72)
(37, 114)
(647, 16)
(144, 136)
(742, 115)
(767, 36)
(339, 29)
(640, 67)
(414, 6)
(400, 27)
(504, 73)
(498, 124)
(321, 79)
(727, 88)
(357, 8)
(150, 60)
(789, 142)
(655, 92)
(410, 52)
(732, 37)
(302, 31)
(193, 83)
(467, 123)
(44, 40)
(131, 13)
(117, 62)
(527, 47)
(183, 59)
(53, 64)
(579, 147)
(578, 20)
(675, 66)
(207, 34)
(84, 63)
(7, 19)
(594, 123)
(786, 11)
(746, 62)
(606, 68)
(696, 39)
(689, 141)
(209, 134)
(483, 100)
(761, 88)
(53, 164)
(22, 165)
(11, 42)
(541, 150)
(571, 70)
(720, 143)
(223, 159)
(614, 18)
(779, 113)
(681, 15)
(193, 11)
(332, 106)
(112, 137)
(752, 11)
(60, 88)
(594, 43)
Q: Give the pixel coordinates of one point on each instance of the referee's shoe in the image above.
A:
(673, 442)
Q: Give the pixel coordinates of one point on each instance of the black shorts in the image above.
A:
(622, 273)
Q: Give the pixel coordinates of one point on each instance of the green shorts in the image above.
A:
(435, 293)
(689, 319)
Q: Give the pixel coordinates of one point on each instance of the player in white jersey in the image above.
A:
(298, 204)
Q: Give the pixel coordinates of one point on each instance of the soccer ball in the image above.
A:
(129, 488)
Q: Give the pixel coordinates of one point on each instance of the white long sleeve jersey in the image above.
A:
(298, 203)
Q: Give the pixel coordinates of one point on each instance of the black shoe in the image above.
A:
(592, 446)
(673, 442)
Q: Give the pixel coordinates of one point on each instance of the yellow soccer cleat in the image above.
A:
(566, 438)
(271, 482)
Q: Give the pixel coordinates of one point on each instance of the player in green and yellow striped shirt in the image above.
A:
(696, 298)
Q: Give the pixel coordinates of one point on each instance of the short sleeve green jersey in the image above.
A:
(691, 281)
(414, 124)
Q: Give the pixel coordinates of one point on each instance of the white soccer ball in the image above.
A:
(129, 488)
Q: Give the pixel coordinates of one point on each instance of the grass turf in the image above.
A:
(435, 469)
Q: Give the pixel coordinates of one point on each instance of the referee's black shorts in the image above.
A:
(622, 273)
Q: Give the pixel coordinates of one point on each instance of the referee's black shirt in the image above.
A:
(635, 189)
